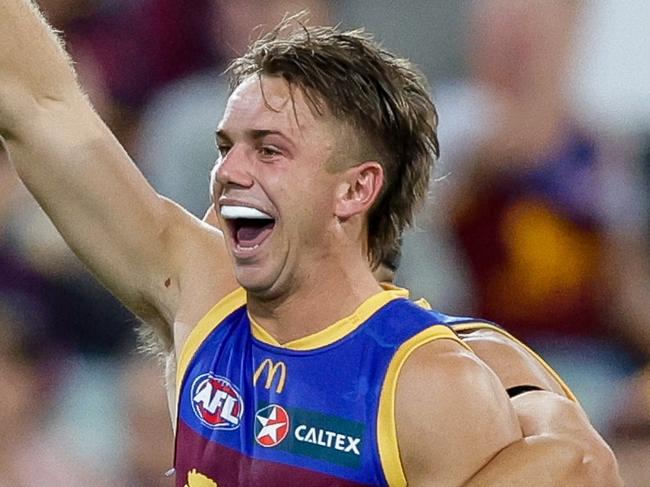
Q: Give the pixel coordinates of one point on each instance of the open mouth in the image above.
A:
(249, 227)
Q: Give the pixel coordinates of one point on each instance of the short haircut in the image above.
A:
(383, 97)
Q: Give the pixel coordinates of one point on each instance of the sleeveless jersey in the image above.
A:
(318, 411)
(470, 327)
(467, 326)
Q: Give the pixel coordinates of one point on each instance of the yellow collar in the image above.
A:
(337, 330)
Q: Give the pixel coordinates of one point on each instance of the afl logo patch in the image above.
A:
(216, 402)
(271, 425)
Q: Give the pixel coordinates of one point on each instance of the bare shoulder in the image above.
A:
(178, 292)
(514, 364)
(452, 415)
(205, 272)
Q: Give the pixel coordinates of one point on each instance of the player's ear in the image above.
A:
(359, 189)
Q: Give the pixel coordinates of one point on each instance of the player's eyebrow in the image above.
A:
(252, 134)
(258, 134)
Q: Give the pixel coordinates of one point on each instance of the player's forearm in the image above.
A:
(545, 414)
(539, 461)
(35, 71)
(76, 169)
(547, 461)
(560, 448)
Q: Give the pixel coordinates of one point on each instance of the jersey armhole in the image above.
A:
(477, 325)
(202, 330)
(389, 456)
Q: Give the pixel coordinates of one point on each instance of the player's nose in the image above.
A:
(234, 168)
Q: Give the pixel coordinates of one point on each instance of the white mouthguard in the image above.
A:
(231, 212)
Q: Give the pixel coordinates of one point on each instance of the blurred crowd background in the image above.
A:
(538, 215)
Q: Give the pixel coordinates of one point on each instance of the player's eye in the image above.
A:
(223, 149)
(269, 151)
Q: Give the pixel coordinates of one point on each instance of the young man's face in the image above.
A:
(273, 195)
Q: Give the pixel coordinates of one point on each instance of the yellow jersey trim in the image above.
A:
(478, 325)
(204, 327)
(387, 286)
(474, 326)
(386, 427)
(337, 330)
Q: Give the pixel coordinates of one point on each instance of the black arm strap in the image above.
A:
(516, 390)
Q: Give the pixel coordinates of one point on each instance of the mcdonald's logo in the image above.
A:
(272, 370)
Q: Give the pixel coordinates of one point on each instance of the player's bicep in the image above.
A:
(452, 415)
(513, 364)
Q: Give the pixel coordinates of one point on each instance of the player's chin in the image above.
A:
(256, 280)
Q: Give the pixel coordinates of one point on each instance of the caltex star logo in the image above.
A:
(271, 425)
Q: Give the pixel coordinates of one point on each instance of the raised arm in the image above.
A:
(144, 248)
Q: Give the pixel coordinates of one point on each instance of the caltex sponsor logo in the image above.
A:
(216, 402)
(328, 439)
(271, 425)
(310, 433)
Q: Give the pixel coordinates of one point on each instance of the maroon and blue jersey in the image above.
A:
(317, 411)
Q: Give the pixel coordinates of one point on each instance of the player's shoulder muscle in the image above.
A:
(452, 414)
(202, 273)
(513, 362)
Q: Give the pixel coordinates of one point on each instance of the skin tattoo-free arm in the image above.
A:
(560, 446)
(449, 432)
(144, 248)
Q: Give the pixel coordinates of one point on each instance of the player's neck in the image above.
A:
(315, 304)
